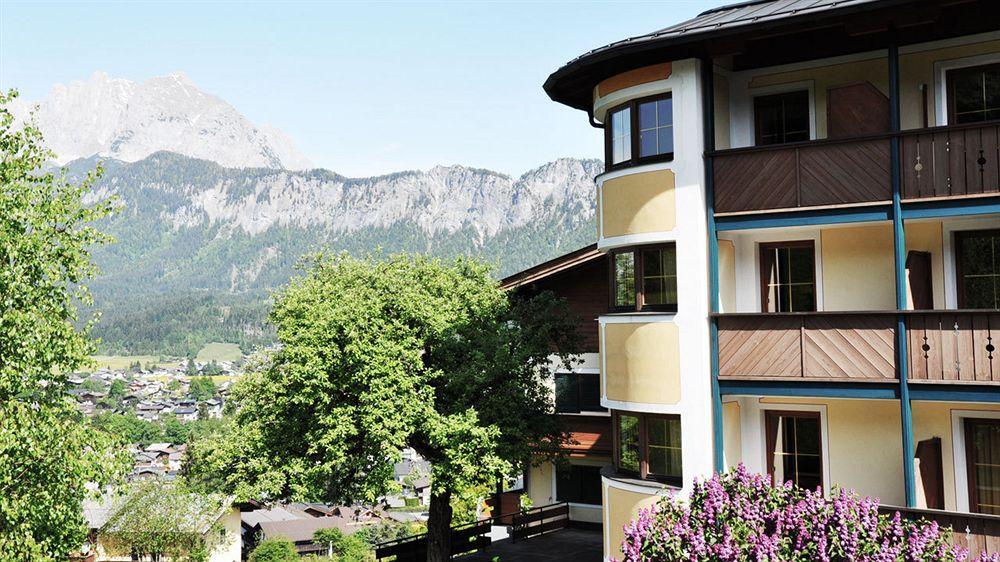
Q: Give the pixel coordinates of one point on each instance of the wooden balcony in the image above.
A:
(949, 346)
(805, 174)
(818, 346)
(976, 532)
(938, 162)
(951, 161)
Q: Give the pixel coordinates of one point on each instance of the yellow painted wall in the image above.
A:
(933, 419)
(865, 450)
(622, 506)
(642, 362)
(858, 272)
(638, 203)
(927, 237)
(918, 68)
(722, 139)
(875, 71)
(914, 68)
(727, 275)
(732, 437)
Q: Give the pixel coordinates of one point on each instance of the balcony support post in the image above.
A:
(708, 120)
(899, 252)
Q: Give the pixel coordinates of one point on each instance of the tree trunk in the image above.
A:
(439, 528)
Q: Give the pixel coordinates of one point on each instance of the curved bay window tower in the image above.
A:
(799, 214)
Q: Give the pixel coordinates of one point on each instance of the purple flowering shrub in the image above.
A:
(740, 516)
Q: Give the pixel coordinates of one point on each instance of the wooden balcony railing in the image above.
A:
(976, 532)
(953, 346)
(952, 161)
(806, 174)
(812, 346)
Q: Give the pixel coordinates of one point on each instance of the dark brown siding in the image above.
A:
(585, 289)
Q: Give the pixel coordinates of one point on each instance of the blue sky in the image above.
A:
(362, 88)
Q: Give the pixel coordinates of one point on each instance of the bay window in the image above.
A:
(644, 279)
(640, 131)
(648, 446)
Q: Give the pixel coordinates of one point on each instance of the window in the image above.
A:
(621, 136)
(640, 131)
(788, 276)
(648, 446)
(578, 392)
(973, 94)
(577, 483)
(982, 451)
(794, 448)
(781, 118)
(978, 268)
(644, 279)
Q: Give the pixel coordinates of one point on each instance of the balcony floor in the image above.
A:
(579, 545)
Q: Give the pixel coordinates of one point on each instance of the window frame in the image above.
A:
(577, 390)
(970, 472)
(764, 247)
(570, 465)
(949, 84)
(960, 236)
(640, 304)
(643, 473)
(783, 93)
(635, 159)
(770, 443)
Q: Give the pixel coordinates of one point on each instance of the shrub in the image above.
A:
(740, 516)
(274, 550)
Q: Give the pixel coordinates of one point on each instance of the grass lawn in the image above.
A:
(219, 352)
(121, 362)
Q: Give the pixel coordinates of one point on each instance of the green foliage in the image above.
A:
(388, 530)
(190, 369)
(47, 452)
(160, 518)
(274, 550)
(93, 385)
(117, 390)
(382, 354)
(212, 369)
(202, 388)
(130, 429)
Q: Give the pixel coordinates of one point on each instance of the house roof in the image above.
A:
(297, 530)
(729, 30)
(551, 267)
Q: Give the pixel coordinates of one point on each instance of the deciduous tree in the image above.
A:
(47, 452)
(378, 355)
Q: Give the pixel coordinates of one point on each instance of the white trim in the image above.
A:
(635, 239)
(651, 490)
(948, 230)
(941, 69)
(637, 318)
(746, 247)
(627, 171)
(642, 407)
(618, 97)
(754, 430)
(958, 452)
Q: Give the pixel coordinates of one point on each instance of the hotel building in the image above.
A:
(797, 260)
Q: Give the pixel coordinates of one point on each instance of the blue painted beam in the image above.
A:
(708, 117)
(955, 393)
(799, 388)
(814, 217)
(952, 208)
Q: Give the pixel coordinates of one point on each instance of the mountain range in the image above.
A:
(214, 214)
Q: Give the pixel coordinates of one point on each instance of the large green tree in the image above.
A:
(378, 355)
(47, 452)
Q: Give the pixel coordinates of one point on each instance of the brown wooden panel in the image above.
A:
(980, 342)
(841, 173)
(855, 110)
(956, 164)
(749, 181)
(850, 347)
(916, 345)
(760, 346)
(954, 346)
(976, 532)
(991, 166)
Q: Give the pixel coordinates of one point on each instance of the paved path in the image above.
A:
(577, 545)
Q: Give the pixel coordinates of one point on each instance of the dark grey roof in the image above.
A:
(572, 83)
